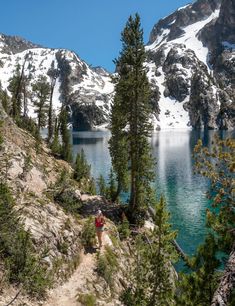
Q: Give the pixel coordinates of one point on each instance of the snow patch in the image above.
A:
(160, 39)
(183, 7)
(172, 113)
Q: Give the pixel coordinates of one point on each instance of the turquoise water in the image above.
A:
(184, 191)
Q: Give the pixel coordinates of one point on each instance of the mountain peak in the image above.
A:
(15, 44)
(173, 25)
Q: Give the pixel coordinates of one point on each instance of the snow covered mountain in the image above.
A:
(190, 64)
(87, 91)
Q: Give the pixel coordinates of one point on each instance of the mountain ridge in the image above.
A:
(191, 73)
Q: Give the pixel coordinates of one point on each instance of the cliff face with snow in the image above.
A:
(190, 64)
(87, 91)
(193, 67)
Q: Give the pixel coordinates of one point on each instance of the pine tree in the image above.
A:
(197, 287)
(55, 145)
(5, 100)
(25, 95)
(129, 147)
(162, 254)
(218, 165)
(102, 186)
(53, 74)
(14, 88)
(152, 280)
(42, 90)
(66, 149)
(112, 186)
(81, 168)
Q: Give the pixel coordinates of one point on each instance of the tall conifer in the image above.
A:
(66, 149)
(42, 90)
(129, 147)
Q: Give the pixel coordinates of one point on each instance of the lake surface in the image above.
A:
(184, 191)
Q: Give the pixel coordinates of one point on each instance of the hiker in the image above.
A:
(99, 225)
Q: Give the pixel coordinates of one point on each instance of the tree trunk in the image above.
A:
(227, 283)
(50, 123)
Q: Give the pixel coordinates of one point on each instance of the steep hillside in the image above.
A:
(47, 201)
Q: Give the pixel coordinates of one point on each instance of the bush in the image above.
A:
(28, 124)
(107, 265)
(68, 200)
(88, 234)
(87, 299)
(16, 249)
(64, 194)
(81, 167)
(124, 229)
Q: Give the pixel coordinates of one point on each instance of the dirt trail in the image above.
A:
(65, 294)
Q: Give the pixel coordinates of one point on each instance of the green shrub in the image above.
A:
(28, 124)
(16, 249)
(87, 299)
(64, 193)
(63, 247)
(124, 229)
(102, 185)
(81, 168)
(107, 265)
(88, 234)
(68, 201)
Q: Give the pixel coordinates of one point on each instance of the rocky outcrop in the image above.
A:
(31, 176)
(15, 44)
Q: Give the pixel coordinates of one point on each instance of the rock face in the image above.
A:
(190, 65)
(191, 58)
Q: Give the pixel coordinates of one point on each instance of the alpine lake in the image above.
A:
(184, 191)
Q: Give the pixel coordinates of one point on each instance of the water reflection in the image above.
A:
(184, 191)
(95, 146)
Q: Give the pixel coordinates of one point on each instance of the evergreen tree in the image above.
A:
(25, 94)
(112, 186)
(91, 186)
(14, 88)
(53, 74)
(22, 265)
(218, 165)
(5, 100)
(66, 149)
(81, 168)
(198, 287)
(42, 90)
(102, 186)
(152, 280)
(55, 145)
(129, 147)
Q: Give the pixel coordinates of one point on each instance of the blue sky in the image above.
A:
(91, 28)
